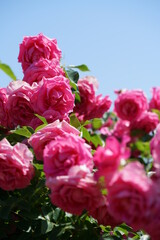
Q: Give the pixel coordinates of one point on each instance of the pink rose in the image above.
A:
(152, 221)
(153, 229)
(98, 108)
(105, 131)
(52, 116)
(54, 94)
(15, 85)
(3, 110)
(108, 156)
(107, 126)
(64, 152)
(18, 105)
(130, 195)
(91, 80)
(87, 94)
(101, 214)
(91, 106)
(130, 104)
(42, 68)
(32, 49)
(39, 139)
(121, 128)
(107, 159)
(155, 100)
(147, 122)
(16, 170)
(155, 150)
(74, 192)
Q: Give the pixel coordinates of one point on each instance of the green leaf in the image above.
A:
(47, 212)
(56, 214)
(106, 236)
(74, 121)
(41, 118)
(105, 229)
(126, 227)
(46, 226)
(30, 129)
(86, 123)
(121, 230)
(96, 140)
(134, 238)
(77, 97)
(13, 138)
(24, 131)
(104, 192)
(38, 166)
(85, 134)
(143, 147)
(40, 127)
(97, 123)
(45, 123)
(6, 69)
(72, 75)
(81, 67)
(64, 230)
(73, 85)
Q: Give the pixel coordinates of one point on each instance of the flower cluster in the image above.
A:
(44, 90)
(107, 166)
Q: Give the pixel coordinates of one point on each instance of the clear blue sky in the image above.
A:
(119, 40)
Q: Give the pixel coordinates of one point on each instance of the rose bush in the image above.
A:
(69, 168)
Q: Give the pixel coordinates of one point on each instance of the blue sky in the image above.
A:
(119, 40)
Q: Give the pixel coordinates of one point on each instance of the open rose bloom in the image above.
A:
(16, 169)
(41, 138)
(76, 191)
(130, 104)
(62, 153)
(37, 47)
(91, 106)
